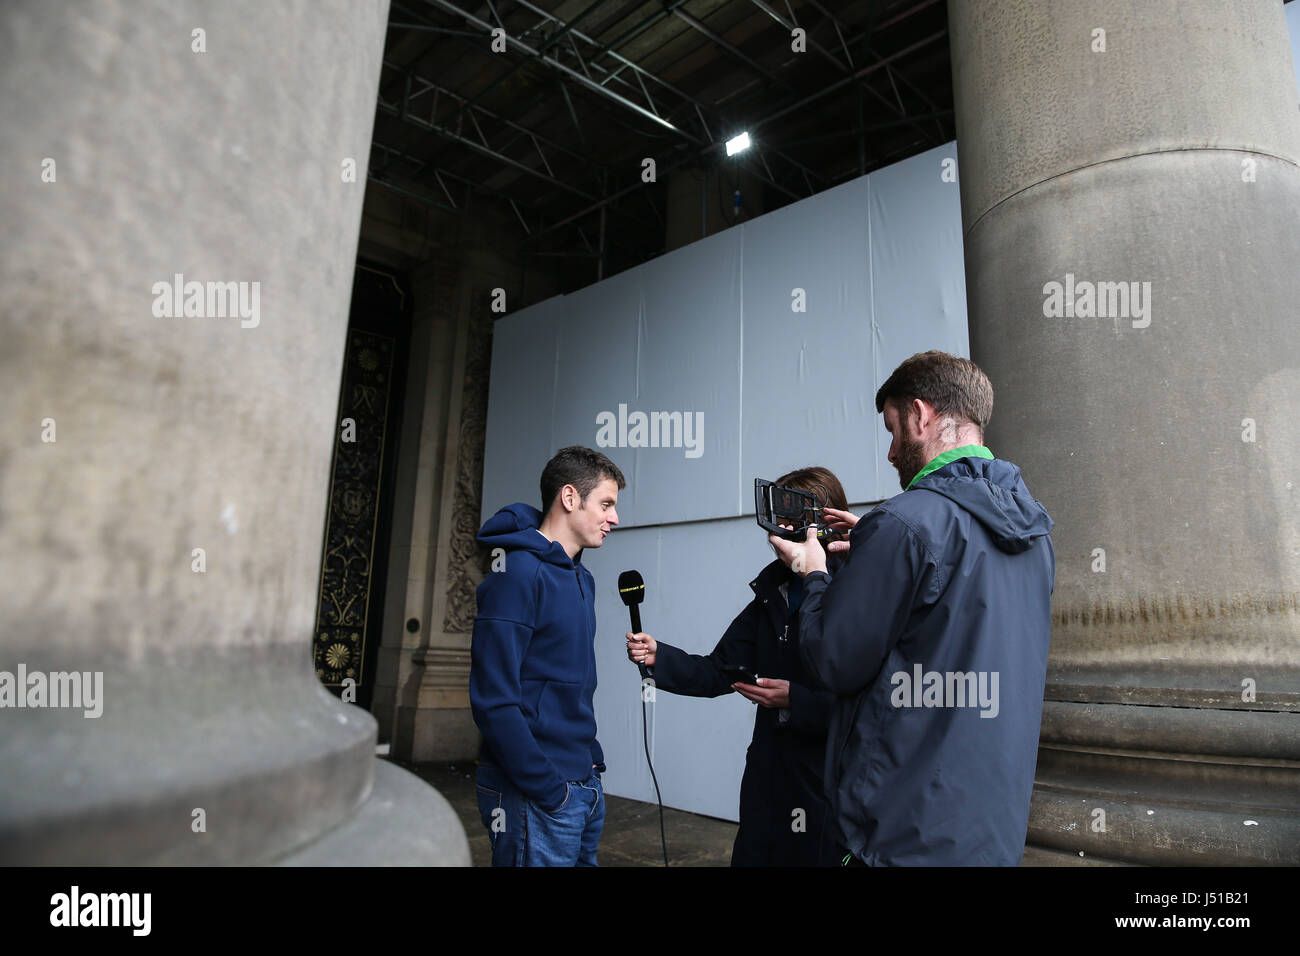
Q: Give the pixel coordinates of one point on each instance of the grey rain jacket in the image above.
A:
(934, 636)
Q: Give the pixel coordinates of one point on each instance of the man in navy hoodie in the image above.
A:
(934, 636)
(533, 668)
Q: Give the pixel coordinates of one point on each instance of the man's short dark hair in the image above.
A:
(584, 468)
(953, 385)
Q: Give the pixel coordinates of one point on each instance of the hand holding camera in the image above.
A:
(800, 557)
(801, 524)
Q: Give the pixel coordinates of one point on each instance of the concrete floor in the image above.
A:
(630, 837)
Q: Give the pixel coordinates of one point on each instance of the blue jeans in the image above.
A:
(523, 834)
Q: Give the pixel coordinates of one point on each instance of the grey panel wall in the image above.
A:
(520, 404)
(919, 288)
(810, 391)
(710, 331)
(696, 581)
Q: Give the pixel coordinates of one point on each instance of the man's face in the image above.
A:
(906, 453)
(595, 517)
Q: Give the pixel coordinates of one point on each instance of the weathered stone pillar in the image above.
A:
(165, 463)
(1153, 145)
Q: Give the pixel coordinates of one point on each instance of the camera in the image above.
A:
(775, 505)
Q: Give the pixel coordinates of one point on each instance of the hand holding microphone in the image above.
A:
(640, 647)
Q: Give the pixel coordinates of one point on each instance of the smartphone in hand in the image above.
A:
(737, 674)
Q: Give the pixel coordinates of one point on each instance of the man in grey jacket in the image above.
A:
(934, 636)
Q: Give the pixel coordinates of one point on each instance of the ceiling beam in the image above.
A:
(577, 77)
(853, 77)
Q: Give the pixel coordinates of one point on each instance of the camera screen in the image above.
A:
(787, 504)
(776, 506)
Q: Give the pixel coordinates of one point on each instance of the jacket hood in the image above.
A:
(515, 528)
(995, 494)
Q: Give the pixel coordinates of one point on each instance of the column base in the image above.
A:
(405, 822)
(1165, 786)
(435, 735)
(439, 727)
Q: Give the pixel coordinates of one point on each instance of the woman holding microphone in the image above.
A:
(782, 805)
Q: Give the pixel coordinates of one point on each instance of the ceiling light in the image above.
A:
(736, 144)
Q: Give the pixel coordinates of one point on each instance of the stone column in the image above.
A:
(1152, 145)
(432, 719)
(165, 464)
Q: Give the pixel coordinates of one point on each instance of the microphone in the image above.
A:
(631, 588)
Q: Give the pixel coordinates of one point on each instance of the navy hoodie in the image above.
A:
(947, 589)
(533, 661)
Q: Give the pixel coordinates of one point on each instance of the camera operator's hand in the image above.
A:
(641, 649)
(842, 521)
(801, 557)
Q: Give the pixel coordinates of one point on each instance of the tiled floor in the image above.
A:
(630, 837)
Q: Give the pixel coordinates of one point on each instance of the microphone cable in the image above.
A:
(631, 591)
(645, 738)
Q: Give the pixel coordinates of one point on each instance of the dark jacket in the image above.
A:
(951, 578)
(783, 766)
(533, 662)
